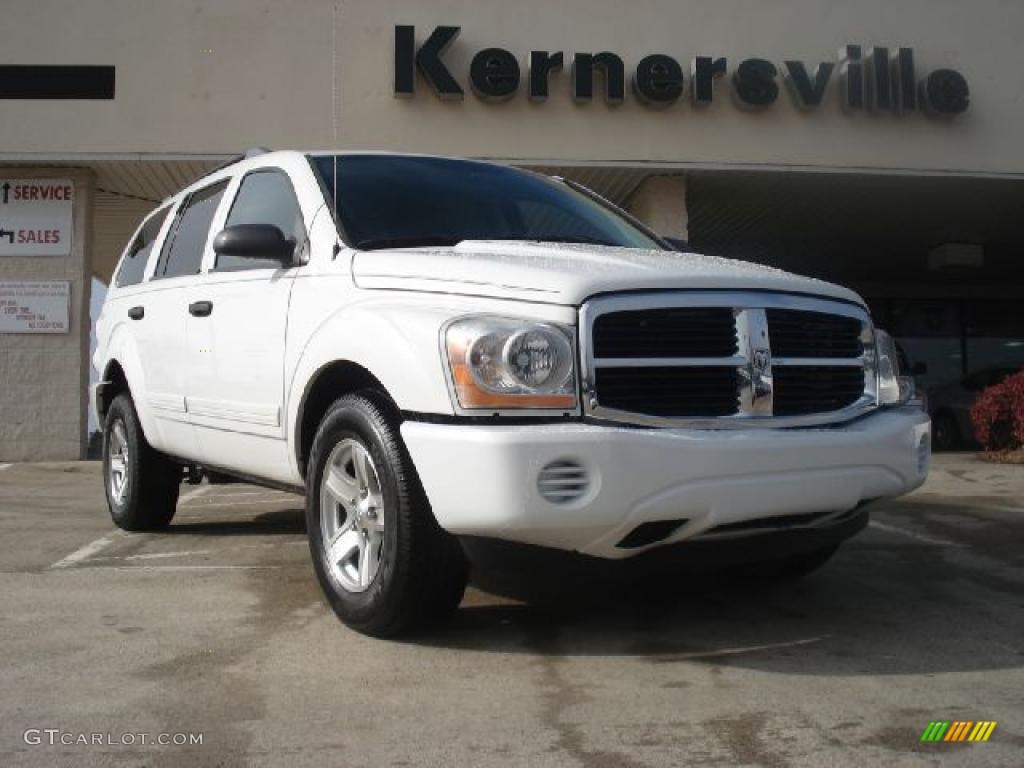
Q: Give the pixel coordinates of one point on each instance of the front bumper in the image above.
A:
(481, 480)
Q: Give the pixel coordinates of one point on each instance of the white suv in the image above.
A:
(441, 353)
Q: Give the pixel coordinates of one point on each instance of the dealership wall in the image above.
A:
(197, 81)
(44, 377)
(195, 77)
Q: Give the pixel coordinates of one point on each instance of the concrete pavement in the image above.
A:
(218, 627)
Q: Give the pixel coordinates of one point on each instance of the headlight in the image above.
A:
(504, 363)
(893, 389)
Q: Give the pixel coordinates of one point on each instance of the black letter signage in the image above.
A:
(583, 66)
(754, 83)
(871, 79)
(658, 80)
(494, 74)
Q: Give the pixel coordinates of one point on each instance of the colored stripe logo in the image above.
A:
(958, 730)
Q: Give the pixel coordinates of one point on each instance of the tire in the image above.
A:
(795, 567)
(146, 497)
(385, 565)
(945, 432)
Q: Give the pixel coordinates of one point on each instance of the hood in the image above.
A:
(569, 273)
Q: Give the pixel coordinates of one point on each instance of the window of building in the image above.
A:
(264, 197)
(133, 266)
(995, 337)
(183, 250)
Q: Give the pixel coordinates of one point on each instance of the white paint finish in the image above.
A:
(259, 414)
(707, 477)
(91, 549)
(567, 273)
(232, 107)
(36, 217)
(923, 538)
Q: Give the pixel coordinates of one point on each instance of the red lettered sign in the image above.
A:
(36, 217)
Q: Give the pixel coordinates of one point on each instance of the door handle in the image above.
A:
(137, 313)
(200, 308)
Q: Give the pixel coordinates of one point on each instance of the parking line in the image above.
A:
(207, 505)
(84, 553)
(741, 650)
(183, 568)
(5, 466)
(193, 493)
(916, 536)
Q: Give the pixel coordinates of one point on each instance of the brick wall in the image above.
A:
(44, 377)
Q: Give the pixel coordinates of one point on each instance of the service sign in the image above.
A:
(36, 217)
(35, 306)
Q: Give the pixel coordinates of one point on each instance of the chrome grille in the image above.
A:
(721, 359)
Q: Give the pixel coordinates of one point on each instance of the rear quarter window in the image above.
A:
(133, 265)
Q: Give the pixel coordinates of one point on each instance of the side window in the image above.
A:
(183, 249)
(264, 197)
(133, 266)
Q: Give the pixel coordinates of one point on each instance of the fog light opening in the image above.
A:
(563, 481)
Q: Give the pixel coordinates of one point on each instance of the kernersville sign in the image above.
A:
(874, 79)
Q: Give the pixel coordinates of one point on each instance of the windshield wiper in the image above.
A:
(412, 241)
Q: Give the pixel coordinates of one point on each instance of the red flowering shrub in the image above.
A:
(998, 415)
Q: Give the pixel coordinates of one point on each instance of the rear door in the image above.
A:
(161, 331)
(235, 390)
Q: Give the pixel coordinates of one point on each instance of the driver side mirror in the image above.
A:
(256, 241)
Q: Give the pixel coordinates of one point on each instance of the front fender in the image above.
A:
(397, 343)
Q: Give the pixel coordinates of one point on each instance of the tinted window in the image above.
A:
(397, 201)
(183, 251)
(133, 266)
(264, 197)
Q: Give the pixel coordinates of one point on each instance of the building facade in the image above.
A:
(870, 143)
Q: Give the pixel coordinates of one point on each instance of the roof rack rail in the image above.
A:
(251, 152)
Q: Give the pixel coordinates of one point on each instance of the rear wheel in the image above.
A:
(141, 483)
(383, 562)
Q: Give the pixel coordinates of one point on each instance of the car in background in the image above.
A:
(949, 405)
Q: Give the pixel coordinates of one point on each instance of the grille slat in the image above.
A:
(801, 389)
(693, 392)
(803, 333)
(669, 332)
(700, 361)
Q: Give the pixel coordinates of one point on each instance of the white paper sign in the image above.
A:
(36, 217)
(35, 306)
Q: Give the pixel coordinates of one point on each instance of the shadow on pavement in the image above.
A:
(291, 521)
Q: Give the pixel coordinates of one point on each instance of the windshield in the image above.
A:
(394, 201)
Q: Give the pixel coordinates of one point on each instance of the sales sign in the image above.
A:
(36, 217)
(34, 306)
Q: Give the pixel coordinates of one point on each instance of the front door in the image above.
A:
(236, 336)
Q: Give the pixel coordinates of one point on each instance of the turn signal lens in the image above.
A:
(893, 389)
(506, 363)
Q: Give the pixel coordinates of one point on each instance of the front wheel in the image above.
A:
(383, 562)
